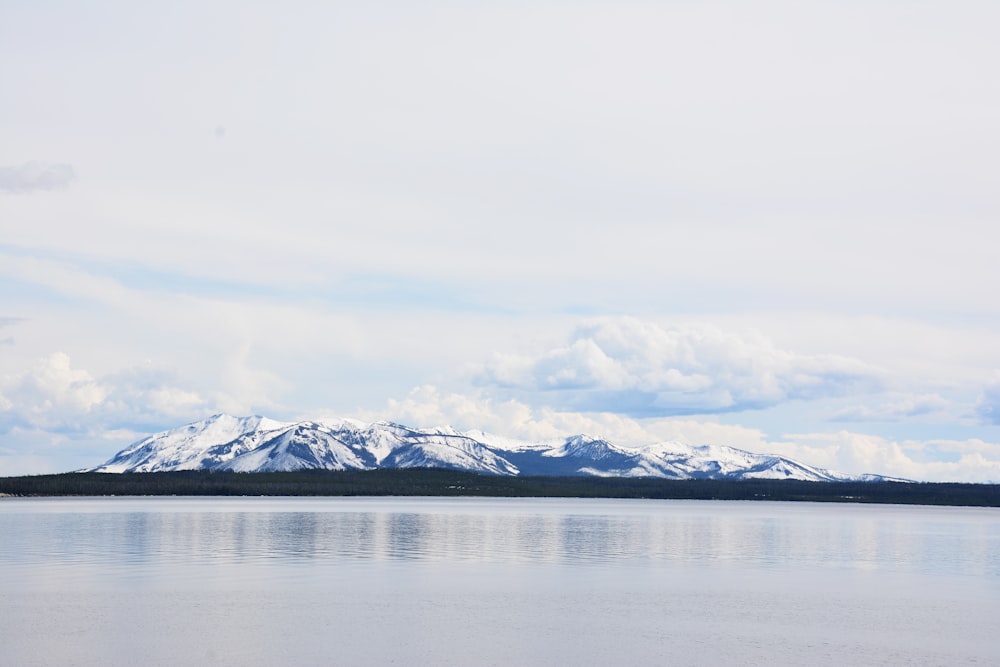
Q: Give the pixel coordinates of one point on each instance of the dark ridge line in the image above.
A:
(456, 483)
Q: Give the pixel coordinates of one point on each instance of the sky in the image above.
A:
(770, 225)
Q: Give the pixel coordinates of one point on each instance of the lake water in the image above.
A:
(470, 581)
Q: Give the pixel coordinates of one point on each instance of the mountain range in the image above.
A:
(259, 444)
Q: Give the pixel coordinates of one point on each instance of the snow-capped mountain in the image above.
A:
(258, 444)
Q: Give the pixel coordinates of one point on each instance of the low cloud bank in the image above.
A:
(640, 369)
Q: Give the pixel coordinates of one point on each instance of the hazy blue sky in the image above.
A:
(772, 225)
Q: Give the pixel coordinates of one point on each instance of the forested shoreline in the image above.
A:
(437, 482)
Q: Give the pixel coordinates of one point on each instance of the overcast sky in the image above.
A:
(770, 225)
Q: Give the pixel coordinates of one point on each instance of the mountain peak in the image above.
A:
(256, 444)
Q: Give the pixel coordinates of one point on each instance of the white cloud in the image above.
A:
(904, 408)
(639, 368)
(52, 393)
(248, 388)
(33, 176)
(57, 397)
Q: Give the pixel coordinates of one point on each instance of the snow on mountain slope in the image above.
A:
(303, 446)
(198, 445)
(435, 450)
(258, 444)
(674, 459)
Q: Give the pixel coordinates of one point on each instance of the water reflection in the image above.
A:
(251, 581)
(763, 535)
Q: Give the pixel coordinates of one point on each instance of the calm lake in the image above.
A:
(476, 581)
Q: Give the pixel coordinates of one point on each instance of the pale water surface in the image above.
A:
(469, 581)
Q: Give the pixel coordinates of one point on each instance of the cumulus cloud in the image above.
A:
(52, 393)
(33, 176)
(641, 369)
(58, 397)
(141, 397)
(905, 408)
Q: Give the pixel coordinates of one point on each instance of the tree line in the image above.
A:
(439, 482)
